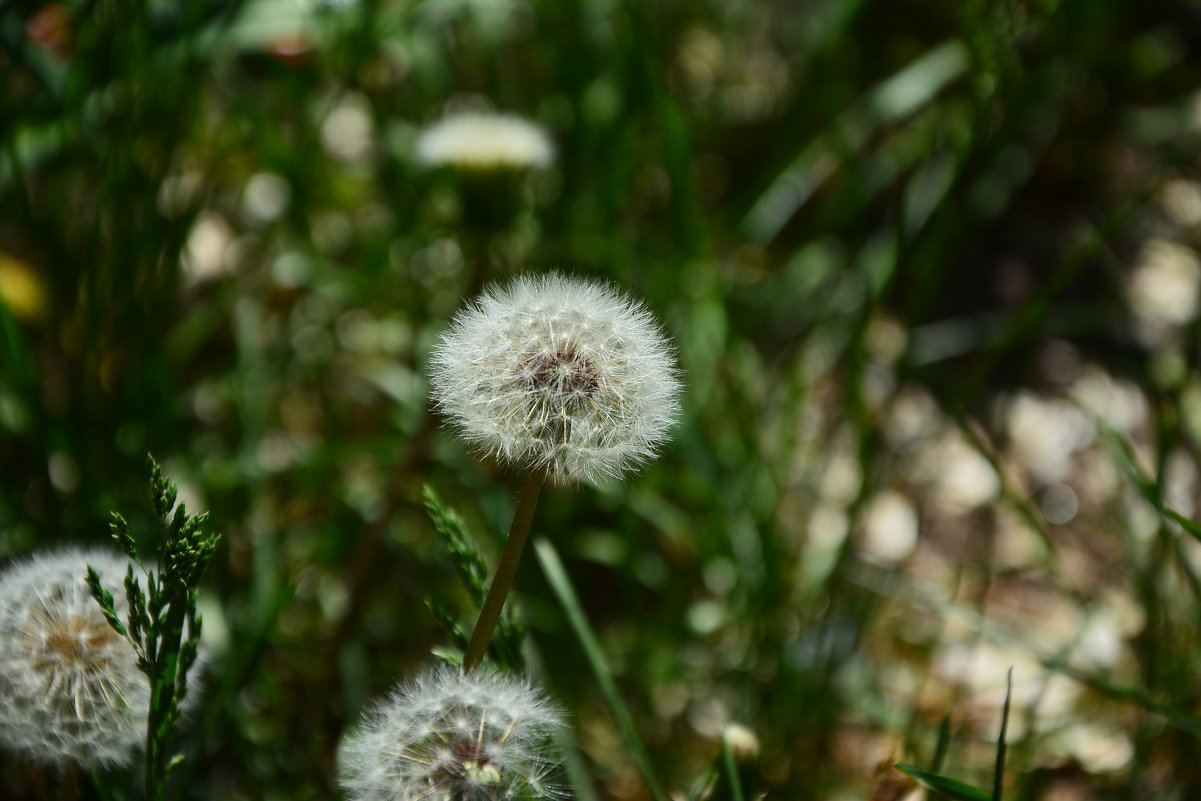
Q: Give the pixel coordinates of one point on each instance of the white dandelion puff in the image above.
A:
(71, 686)
(560, 374)
(479, 141)
(447, 736)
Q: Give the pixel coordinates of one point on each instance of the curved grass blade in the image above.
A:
(999, 775)
(560, 584)
(943, 785)
(731, 770)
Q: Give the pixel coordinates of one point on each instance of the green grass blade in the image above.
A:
(1186, 524)
(999, 775)
(574, 766)
(1178, 717)
(727, 757)
(560, 584)
(951, 788)
(894, 99)
(944, 742)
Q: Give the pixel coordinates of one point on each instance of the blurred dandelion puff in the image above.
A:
(71, 685)
(484, 141)
(558, 374)
(449, 736)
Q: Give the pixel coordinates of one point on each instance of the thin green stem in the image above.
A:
(560, 584)
(999, 771)
(162, 700)
(727, 758)
(506, 569)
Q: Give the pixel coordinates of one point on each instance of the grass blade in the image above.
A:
(944, 785)
(944, 742)
(727, 757)
(895, 98)
(560, 584)
(1185, 523)
(999, 777)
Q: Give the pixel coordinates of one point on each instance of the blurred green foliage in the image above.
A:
(216, 245)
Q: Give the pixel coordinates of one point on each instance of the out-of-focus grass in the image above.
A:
(922, 262)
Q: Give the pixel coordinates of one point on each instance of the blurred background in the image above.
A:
(931, 268)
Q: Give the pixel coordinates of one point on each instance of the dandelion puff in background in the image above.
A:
(70, 685)
(560, 374)
(449, 736)
(484, 141)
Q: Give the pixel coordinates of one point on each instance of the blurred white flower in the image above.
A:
(558, 373)
(348, 132)
(1181, 200)
(890, 527)
(478, 141)
(960, 476)
(447, 736)
(206, 256)
(1046, 434)
(743, 742)
(71, 686)
(1163, 286)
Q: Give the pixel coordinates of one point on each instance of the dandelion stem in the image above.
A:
(506, 569)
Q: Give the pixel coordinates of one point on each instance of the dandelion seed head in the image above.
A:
(447, 736)
(479, 141)
(71, 686)
(558, 373)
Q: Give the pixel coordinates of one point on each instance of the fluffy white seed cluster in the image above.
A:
(70, 685)
(447, 736)
(558, 373)
(476, 141)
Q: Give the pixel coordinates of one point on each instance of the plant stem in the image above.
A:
(560, 584)
(506, 569)
(162, 700)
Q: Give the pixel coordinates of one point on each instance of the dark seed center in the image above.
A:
(77, 643)
(469, 765)
(563, 375)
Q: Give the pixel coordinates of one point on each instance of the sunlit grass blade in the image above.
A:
(1172, 714)
(560, 584)
(703, 785)
(575, 767)
(999, 775)
(727, 757)
(943, 743)
(943, 785)
(953, 788)
(1123, 454)
(1185, 523)
(895, 98)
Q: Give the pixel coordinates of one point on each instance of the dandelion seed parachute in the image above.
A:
(447, 736)
(558, 373)
(70, 685)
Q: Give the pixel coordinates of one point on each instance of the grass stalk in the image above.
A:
(560, 584)
(727, 758)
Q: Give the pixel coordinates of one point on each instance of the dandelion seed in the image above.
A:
(476, 141)
(448, 736)
(560, 374)
(71, 686)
